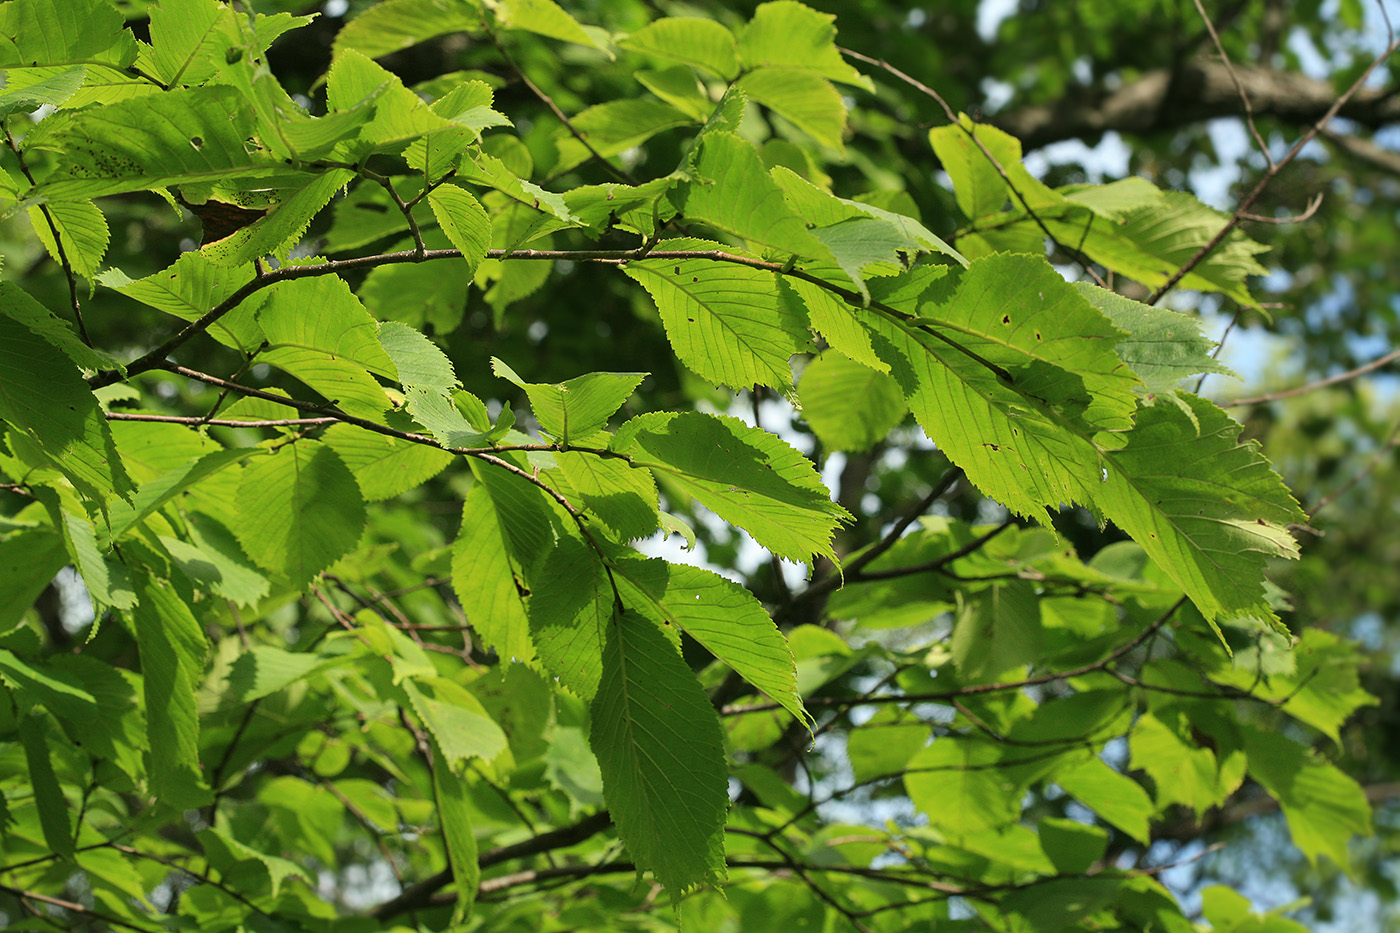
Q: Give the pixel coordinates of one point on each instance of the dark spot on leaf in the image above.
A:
(1037, 336)
(232, 55)
(1006, 319)
(695, 278)
(197, 142)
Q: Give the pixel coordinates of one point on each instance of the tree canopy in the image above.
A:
(474, 465)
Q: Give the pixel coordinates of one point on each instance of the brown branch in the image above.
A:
(1235, 80)
(1269, 174)
(24, 895)
(1347, 376)
(195, 421)
(1365, 150)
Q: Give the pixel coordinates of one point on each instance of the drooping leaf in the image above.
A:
(397, 24)
(454, 816)
(82, 230)
(787, 33)
(1115, 797)
(1162, 347)
(489, 584)
(48, 793)
(746, 476)
(803, 97)
(722, 616)
(660, 749)
(192, 287)
(998, 631)
(460, 727)
(1323, 806)
(173, 649)
(464, 221)
(385, 466)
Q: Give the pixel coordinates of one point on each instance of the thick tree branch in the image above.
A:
(1199, 90)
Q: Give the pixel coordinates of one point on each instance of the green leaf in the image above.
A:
(460, 727)
(661, 751)
(21, 306)
(997, 631)
(547, 18)
(51, 86)
(464, 221)
(849, 406)
(571, 606)
(454, 816)
(1213, 516)
(384, 466)
(227, 853)
(1182, 772)
(488, 581)
(623, 497)
(173, 138)
(154, 493)
(722, 616)
(1073, 847)
(212, 556)
(105, 576)
(615, 127)
(309, 511)
(788, 33)
(34, 734)
(400, 116)
(334, 350)
(961, 786)
(977, 184)
(579, 407)
(677, 86)
(43, 33)
(190, 288)
(728, 322)
(759, 483)
(190, 41)
(1162, 347)
(81, 227)
(883, 746)
(397, 24)
(1116, 798)
(702, 43)
(1324, 807)
(173, 648)
(732, 192)
(43, 396)
(28, 561)
(803, 97)
(282, 229)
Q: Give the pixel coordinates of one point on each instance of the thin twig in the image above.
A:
(1347, 376)
(1235, 78)
(1268, 176)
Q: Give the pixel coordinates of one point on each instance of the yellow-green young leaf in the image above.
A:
(579, 407)
(962, 786)
(1209, 510)
(1150, 242)
(303, 511)
(455, 719)
(733, 192)
(746, 476)
(722, 616)
(281, 230)
(788, 33)
(400, 117)
(173, 138)
(190, 41)
(385, 466)
(397, 24)
(977, 183)
(454, 816)
(677, 86)
(464, 221)
(804, 98)
(35, 731)
(702, 43)
(615, 127)
(1324, 807)
(728, 322)
(81, 227)
(43, 396)
(997, 631)
(1116, 798)
(883, 746)
(489, 584)
(1162, 347)
(661, 751)
(26, 90)
(44, 33)
(190, 288)
(849, 406)
(431, 388)
(333, 350)
(547, 18)
(832, 319)
(173, 649)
